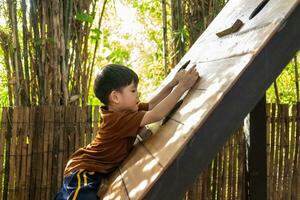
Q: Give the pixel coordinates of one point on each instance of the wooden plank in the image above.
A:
(23, 140)
(241, 167)
(196, 107)
(8, 135)
(168, 141)
(89, 133)
(49, 127)
(61, 144)
(18, 151)
(268, 147)
(56, 182)
(235, 174)
(12, 156)
(287, 156)
(295, 171)
(219, 75)
(214, 178)
(96, 120)
(3, 131)
(34, 158)
(231, 184)
(257, 152)
(220, 172)
(293, 147)
(44, 153)
(83, 133)
(78, 137)
(209, 137)
(139, 172)
(70, 129)
(64, 146)
(280, 152)
(274, 11)
(39, 143)
(116, 188)
(272, 152)
(248, 40)
(29, 157)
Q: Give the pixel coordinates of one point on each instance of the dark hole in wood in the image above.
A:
(184, 65)
(171, 113)
(258, 8)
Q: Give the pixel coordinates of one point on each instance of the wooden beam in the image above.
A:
(258, 152)
(226, 117)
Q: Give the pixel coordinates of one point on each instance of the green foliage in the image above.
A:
(84, 17)
(119, 54)
(95, 34)
(286, 84)
(3, 85)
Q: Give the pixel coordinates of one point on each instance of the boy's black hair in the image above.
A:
(113, 77)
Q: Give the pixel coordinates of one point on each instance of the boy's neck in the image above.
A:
(113, 108)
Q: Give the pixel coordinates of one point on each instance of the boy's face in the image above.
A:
(128, 98)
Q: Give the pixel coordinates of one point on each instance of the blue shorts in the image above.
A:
(80, 185)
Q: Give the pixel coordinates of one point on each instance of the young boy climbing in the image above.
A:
(123, 116)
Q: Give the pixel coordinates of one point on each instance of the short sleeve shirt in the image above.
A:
(112, 144)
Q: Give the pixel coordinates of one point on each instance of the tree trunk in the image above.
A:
(165, 38)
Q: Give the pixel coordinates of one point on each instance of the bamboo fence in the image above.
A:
(36, 142)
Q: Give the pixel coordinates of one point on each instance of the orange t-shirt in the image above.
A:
(112, 144)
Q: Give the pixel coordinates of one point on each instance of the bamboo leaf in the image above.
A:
(84, 17)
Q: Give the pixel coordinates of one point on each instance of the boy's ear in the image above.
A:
(114, 97)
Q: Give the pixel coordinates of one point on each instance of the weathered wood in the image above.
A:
(83, 126)
(296, 177)
(70, 129)
(2, 147)
(96, 120)
(39, 143)
(116, 188)
(264, 68)
(19, 138)
(24, 148)
(61, 144)
(34, 159)
(89, 133)
(137, 175)
(28, 182)
(293, 148)
(257, 152)
(12, 156)
(78, 137)
(287, 152)
(55, 167)
(169, 139)
(65, 144)
(45, 152)
(49, 127)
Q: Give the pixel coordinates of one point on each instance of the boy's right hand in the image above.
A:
(159, 111)
(188, 78)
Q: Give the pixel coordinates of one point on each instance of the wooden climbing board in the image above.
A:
(236, 69)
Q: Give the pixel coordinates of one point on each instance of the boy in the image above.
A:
(122, 117)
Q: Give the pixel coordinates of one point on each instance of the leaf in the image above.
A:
(95, 34)
(84, 17)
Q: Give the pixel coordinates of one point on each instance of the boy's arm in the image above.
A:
(162, 108)
(165, 91)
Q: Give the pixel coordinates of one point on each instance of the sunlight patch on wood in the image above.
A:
(133, 193)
